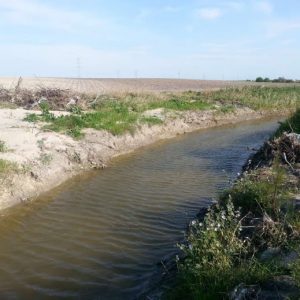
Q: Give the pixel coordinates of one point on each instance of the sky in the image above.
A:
(196, 39)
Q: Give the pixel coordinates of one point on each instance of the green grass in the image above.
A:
(7, 167)
(257, 195)
(292, 124)
(112, 121)
(151, 120)
(181, 103)
(33, 118)
(211, 285)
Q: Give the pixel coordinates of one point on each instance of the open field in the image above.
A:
(106, 85)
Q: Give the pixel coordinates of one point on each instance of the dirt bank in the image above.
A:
(46, 159)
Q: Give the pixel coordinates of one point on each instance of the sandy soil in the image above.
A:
(106, 86)
(47, 159)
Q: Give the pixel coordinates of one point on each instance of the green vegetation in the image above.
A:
(215, 257)
(279, 79)
(218, 256)
(225, 248)
(259, 98)
(7, 167)
(46, 158)
(151, 120)
(257, 196)
(123, 113)
(292, 124)
(3, 147)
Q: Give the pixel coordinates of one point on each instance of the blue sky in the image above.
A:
(171, 38)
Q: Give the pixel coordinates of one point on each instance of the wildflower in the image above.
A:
(193, 223)
(200, 224)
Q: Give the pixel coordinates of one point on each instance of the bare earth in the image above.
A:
(106, 86)
(50, 158)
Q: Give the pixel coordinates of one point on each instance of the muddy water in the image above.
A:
(102, 236)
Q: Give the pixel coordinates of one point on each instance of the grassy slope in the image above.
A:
(118, 114)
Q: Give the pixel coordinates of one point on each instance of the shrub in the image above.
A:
(217, 258)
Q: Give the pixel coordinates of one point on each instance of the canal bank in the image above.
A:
(246, 246)
(42, 160)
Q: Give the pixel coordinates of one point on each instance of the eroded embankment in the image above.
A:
(42, 160)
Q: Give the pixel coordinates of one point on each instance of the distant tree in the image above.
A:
(259, 79)
(267, 79)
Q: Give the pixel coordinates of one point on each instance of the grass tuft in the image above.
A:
(7, 167)
(3, 147)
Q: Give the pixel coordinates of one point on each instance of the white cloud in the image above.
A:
(264, 6)
(209, 13)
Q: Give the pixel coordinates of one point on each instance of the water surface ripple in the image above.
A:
(103, 235)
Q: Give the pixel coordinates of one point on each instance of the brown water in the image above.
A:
(102, 236)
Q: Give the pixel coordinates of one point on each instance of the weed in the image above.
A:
(217, 258)
(180, 103)
(295, 271)
(7, 167)
(41, 144)
(259, 196)
(292, 124)
(45, 158)
(46, 116)
(75, 110)
(33, 118)
(151, 120)
(228, 108)
(3, 147)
